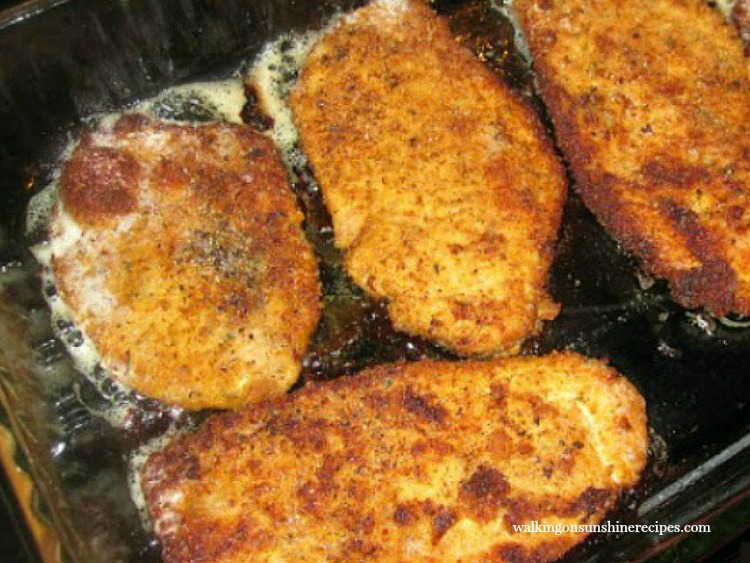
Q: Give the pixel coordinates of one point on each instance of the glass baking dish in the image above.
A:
(62, 60)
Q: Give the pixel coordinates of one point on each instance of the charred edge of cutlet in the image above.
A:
(712, 285)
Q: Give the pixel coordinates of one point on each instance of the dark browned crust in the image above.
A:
(98, 183)
(712, 284)
(357, 437)
(423, 406)
(485, 492)
(595, 191)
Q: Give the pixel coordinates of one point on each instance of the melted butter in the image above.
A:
(519, 39)
(725, 7)
(40, 209)
(136, 460)
(274, 74)
(221, 100)
(82, 350)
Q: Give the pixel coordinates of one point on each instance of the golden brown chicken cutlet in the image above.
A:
(180, 252)
(444, 190)
(651, 105)
(427, 461)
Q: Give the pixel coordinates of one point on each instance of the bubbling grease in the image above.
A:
(273, 75)
(136, 461)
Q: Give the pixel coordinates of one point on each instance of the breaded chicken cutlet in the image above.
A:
(180, 252)
(427, 461)
(651, 104)
(444, 190)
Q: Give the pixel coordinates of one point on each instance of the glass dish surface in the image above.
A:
(61, 61)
